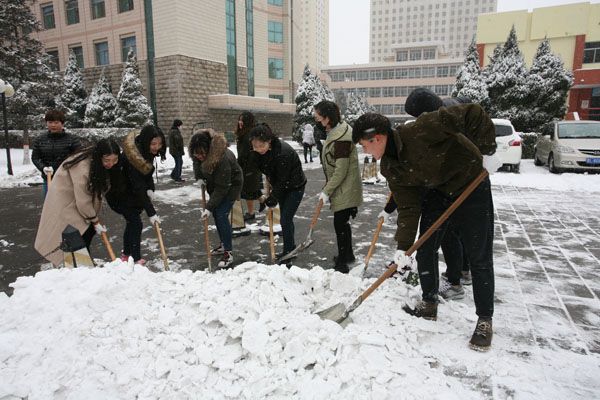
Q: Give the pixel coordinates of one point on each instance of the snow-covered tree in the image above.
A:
(548, 84)
(310, 91)
(357, 106)
(74, 96)
(470, 82)
(101, 106)
(132, 106)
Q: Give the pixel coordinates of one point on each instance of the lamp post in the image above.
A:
(6, 90)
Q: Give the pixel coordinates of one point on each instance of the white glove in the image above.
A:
(202, 183)
(150, 194)
(205, 213)
(154, 219)
(386, 217)
(403, 261)
(491, 163)
(99, 228)
(323, 196)
(48, 170)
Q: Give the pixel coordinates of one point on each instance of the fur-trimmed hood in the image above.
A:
(218, 145)
(134, 156)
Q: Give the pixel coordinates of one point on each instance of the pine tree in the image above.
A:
(357, 106)
(132, 106)
(100, 110)
(470, 82)
(73, 98)
(548, 84)
(310, 91)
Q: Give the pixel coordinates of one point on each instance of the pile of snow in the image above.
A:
(124, 332)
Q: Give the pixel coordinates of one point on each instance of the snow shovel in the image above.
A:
(48, 179)
(339, 313)
(309, 240)
(206, 238)
(163, 252)
(271, 238)
(375, 237)
(109, 248)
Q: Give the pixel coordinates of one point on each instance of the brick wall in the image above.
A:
(226, 120)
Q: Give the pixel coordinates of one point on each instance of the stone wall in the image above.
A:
(225, 121)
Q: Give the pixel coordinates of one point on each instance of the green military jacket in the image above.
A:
(437, 151)
(340, 165)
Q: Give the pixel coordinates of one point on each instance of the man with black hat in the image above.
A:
(428, 164)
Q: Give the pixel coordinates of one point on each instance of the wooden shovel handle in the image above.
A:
(316, 214)
(48, 179)
(109, 248)
(390, 271)
(373, 242)
(271, 238)
(163, 252)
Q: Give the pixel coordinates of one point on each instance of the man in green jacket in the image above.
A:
(428, 164)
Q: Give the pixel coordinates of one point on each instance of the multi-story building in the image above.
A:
(199, 60)
(451, 22)
(311, 35)
(574, 34)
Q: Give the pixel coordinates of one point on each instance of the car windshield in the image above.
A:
(503, 130)
(575, 131)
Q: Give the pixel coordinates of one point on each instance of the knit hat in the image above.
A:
(422, 100)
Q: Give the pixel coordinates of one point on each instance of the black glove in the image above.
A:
(391, 206)
(271, 201)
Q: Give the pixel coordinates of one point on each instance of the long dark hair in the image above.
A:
(98, 179)
(143, 140)
(249, 123)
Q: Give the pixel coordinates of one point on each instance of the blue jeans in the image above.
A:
(221, 216)
(288, 206)
(176, 173)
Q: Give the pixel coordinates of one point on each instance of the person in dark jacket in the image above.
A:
(252, 176)
(176, 149)
(51, 149)
(216, 165)
(132, 186)
(428, 164)
(282, 166)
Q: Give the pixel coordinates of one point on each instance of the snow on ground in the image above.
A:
(124, 332)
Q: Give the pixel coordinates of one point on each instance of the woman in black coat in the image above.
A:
(283, 169)
(245, 157)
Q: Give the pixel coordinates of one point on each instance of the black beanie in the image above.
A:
(422, 100)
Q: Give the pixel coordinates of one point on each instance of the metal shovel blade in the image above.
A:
(337, 313)
(294, 253)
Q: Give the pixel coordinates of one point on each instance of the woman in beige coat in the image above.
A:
(75, 196)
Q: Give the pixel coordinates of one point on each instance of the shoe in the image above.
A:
(466, 278)
(451, 292)
(283, 254)
(249, 217)
(423, 309)
(305, 162)
(262, 207)
(343, 268)
(226, 260)
(124, 257)
(217, 250)
(350, 261)
(141, 262)
(180, 180)
(482, 337)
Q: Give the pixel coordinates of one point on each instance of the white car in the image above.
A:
(572, 145)
(508, 145)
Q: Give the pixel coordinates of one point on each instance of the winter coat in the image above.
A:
(434, 152)
(176, 143)
(131, 178)
(68, 202)
(247, 161)
(282, 167)
(51, 149)
(308, 136)
(340, 164)
(221, 172)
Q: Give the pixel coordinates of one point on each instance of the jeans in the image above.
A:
(221, 216)
(132, 236)
(307, 150)
(176, 173)
(288, 205)
(474, 223)
(343, 233)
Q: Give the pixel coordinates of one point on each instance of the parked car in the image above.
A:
(508, 145)
(572, 145)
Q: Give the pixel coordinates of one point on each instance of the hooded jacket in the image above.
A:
(221, 172)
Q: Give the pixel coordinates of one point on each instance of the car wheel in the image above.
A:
(536, 161)
(516, 168)
(551, 165)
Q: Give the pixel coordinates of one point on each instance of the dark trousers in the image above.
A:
(307, 150)
(474, 223)
(176, 173)
(132, 236)
(288, 206)
(88, 235)
(343, 233)
(221, 216)
(319, 149)
(456, 262)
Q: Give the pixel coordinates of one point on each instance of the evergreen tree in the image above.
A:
(357, 106)
(470, 82)
(101, 106)
(548, 84)
(132, 106)
(310, 91)
(74, 96)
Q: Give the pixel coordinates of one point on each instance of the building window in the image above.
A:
(275, 32)
(128, 43)
(402, 55)
(442, 71)
(72, 12)
(125, 5)
(231, 46)
(48, 16)
(275, 68)
(250, 45)
(428, 54)
(591, 53)
(101, 50)
(54, 63)
(78, 51)
(276, 2)
(415, 55)
(277, 96)
(97, 8)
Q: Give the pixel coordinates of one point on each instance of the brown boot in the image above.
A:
(482, 337)
(423, 309)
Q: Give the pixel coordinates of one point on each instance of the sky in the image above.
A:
(349, 26)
